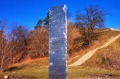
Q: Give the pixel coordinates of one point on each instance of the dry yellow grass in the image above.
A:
(103, 37)
(108, 58)
(39, 69)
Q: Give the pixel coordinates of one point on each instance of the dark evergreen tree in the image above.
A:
(39, 24)
(46, 20)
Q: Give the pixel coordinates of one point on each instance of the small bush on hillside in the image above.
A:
(74, 39)
(38, 43)
(14, 68)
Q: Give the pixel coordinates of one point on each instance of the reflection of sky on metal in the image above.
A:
(28, 12)
(58, 43)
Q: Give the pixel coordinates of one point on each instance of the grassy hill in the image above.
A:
(105, 61)
(107, 58)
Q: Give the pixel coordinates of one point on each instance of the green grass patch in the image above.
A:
(37, 71)
(80, 72)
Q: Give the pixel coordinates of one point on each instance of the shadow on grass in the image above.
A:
(14, 68)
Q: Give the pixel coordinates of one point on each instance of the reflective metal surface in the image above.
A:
(58, 42)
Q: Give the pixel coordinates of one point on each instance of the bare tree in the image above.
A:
(38, 43)
(13, 47)
(19, 41)
(3, 54)
(73, 38)
(89, 19)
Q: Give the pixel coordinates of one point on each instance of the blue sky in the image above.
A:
(28, 12)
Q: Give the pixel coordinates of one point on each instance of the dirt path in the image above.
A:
(90, 53)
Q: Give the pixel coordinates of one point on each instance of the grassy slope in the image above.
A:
(104, 37)
(35, 70)
(107, 58)
(39, 69)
